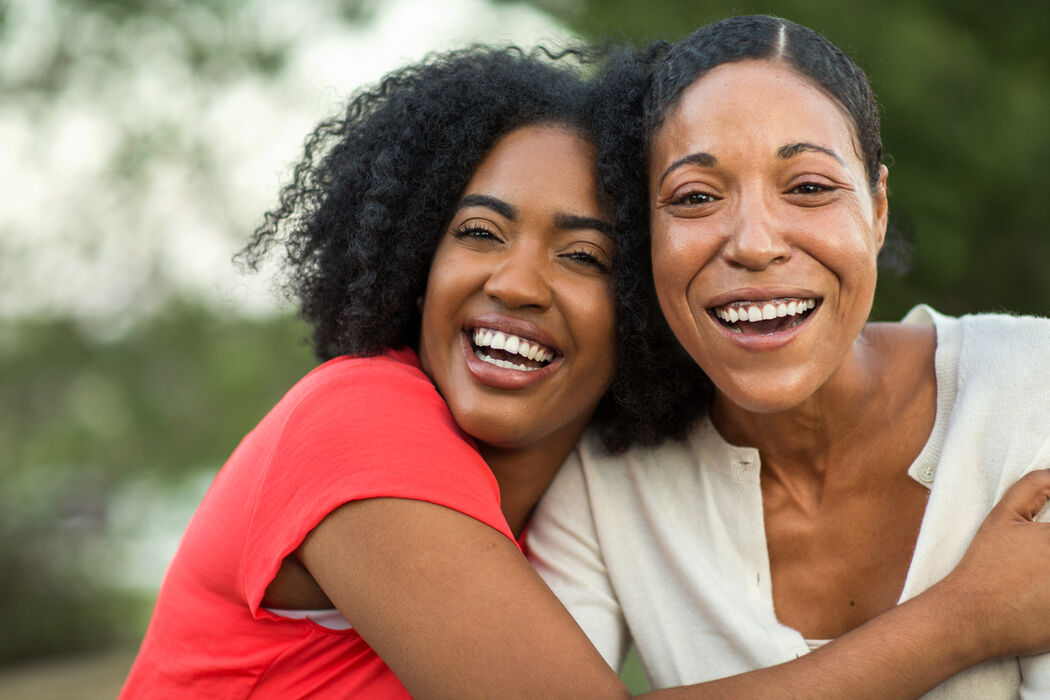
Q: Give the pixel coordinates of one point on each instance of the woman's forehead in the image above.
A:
(754, 102)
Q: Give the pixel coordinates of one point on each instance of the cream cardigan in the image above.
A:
(665, 547)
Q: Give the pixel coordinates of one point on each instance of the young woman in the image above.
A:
(841, 466)
(446, 241)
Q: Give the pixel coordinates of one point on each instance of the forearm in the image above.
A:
(902, 653)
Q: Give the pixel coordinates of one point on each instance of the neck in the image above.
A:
(862, 397)
(523, 474)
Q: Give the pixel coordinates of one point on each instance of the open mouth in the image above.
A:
(509, 351)
(765, 317)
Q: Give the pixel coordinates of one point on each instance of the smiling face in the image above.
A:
(765, 232)
(518, 317)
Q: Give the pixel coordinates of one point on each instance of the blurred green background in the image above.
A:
(141, 140)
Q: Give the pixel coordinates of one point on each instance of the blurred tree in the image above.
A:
(965, 93)
(80, 414)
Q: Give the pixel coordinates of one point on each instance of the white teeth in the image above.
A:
(484, 337)
(503, 363)
(763, 311)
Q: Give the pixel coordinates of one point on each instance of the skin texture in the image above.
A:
(838, 409)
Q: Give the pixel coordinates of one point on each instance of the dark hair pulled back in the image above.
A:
(774, 39)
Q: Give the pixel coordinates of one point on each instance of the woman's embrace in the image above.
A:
(480, 296)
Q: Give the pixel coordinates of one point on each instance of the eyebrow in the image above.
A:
(573, 222)
(704, 160)
(785, 152)
(504, 209)
(509, 211)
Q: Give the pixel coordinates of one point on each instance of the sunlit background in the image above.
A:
(141, 141)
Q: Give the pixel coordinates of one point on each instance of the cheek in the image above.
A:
(852, 257)
(599, 320)
(678, 258)
(435, 314)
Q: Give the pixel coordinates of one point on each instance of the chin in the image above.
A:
(487, 428)
(766, 397)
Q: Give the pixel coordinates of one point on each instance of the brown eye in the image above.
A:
(811, 188)
(694, 199)
(587, 258)
(475, 231)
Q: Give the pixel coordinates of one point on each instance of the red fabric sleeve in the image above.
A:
(358, 428)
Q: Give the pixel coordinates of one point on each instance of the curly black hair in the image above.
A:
(667, 391)
(369, 201)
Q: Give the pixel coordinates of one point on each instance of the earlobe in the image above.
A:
(882, 205)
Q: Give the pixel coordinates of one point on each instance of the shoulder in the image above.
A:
(990, 345)
(389, 373)
(363, 392)
(991, 371)
(354, 416)
(996, 332)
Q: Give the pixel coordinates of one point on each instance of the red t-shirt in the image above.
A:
(353, 428)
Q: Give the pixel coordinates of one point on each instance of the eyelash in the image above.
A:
(587, 258)
(580, 255)
(475, 231)
(808, 189)
(813, 188)
(684, 199)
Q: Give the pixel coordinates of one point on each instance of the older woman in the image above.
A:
(841, 466)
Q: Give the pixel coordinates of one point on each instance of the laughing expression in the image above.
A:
(765, 232)
(518, 317)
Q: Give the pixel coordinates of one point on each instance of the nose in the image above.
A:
(519, 279)
(755, 240)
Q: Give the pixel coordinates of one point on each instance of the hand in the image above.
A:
(1002, 583)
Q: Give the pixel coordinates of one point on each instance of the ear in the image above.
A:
(881, 203)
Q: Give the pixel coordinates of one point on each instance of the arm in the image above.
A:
(456, 611)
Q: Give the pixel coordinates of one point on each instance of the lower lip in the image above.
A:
(498, 377)
(763, 343)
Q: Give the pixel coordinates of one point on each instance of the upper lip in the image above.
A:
(514, 326)
(756, 294)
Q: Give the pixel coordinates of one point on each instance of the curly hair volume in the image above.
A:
(374, 192)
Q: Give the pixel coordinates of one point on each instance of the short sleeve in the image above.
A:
(353, 429)
(562, 545)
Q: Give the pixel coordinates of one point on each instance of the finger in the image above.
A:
(1028, 496)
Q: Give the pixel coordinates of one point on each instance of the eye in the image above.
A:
(693, 198)
(475, 230)
(810, 188)
(589, 258)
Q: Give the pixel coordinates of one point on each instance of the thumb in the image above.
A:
(1025, 499)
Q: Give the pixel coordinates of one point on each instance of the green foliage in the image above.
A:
(965, 94)
(633, 675)
(80, 415)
